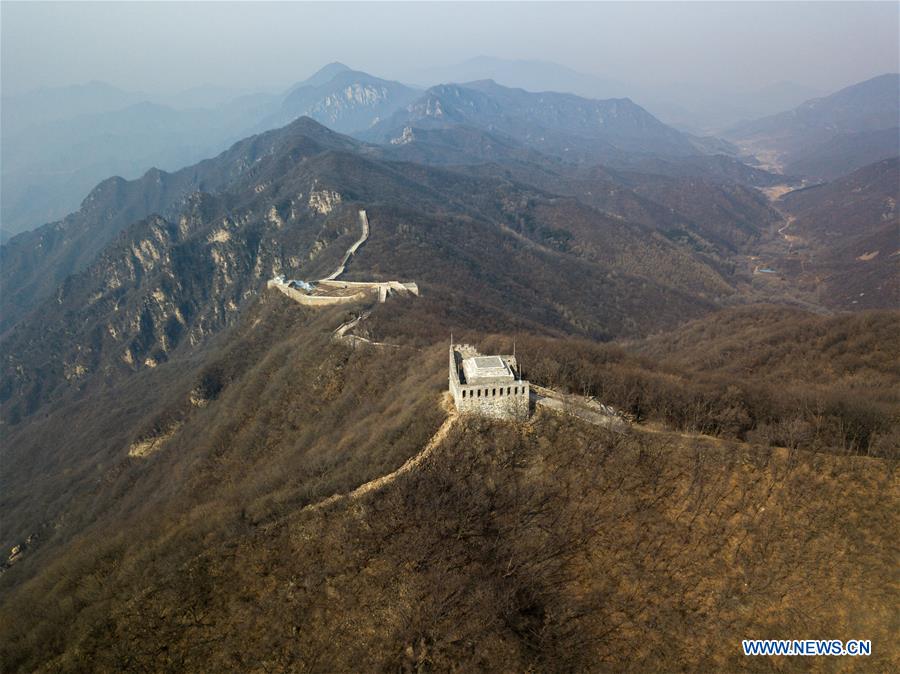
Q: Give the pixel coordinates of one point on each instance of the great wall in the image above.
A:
(408, 465)
(482, 385)
(486, 385)
(330, 291)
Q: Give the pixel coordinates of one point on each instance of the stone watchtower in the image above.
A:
(487, 385)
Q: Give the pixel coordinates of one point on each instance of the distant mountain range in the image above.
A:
(52, 161)
(616, 133)
(825, 138)
(146, 264)
(608, 155)
(57, 144)
(686, 106)
(558, 124)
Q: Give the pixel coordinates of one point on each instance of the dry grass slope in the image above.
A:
(551, 545)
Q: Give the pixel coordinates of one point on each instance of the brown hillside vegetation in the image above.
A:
(847, 236)
(544, 546)
(275, 389)
(774, 375)
(550, 546)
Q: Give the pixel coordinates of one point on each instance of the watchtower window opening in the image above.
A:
(493, 392)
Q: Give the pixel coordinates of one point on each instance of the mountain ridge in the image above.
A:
(529, 117)
(184, 274)
(33, 263)
(830, 136)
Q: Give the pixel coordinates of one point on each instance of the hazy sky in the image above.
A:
(167, 46)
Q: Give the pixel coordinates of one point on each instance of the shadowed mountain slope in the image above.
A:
(865, 106)
(846, 153)
(852, 228)
(703, 208)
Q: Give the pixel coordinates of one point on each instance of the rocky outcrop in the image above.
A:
(324, 201)
(147, 446)
(164, 282)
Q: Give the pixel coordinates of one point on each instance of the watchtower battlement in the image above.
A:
(487, 385)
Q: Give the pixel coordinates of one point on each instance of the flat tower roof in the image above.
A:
(486, 370)
(488, 362)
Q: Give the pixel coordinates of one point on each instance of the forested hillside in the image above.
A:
(538, 545)
(208, 468)
(846, 234)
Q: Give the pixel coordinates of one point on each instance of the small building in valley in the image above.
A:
(487, 385)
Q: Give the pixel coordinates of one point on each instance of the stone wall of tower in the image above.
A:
(507, 400)
(501, 402)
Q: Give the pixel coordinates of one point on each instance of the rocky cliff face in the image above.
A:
(165, 282)
(350, 101)
(35, 263)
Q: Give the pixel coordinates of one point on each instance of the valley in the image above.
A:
(820, 252)
(228, 442)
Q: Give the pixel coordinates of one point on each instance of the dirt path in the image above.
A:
(410, 464)
(788, 221)
(658, 429)
(662, 430)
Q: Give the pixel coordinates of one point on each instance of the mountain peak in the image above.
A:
(323, 75)
(347, 101)
(308, 126)
(484, 83)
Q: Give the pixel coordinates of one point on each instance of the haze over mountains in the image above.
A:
(201, 474)
(690, 107)
(831, 136)
(694, 191)
(542, 120)
(58, 143)
(597, 188)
